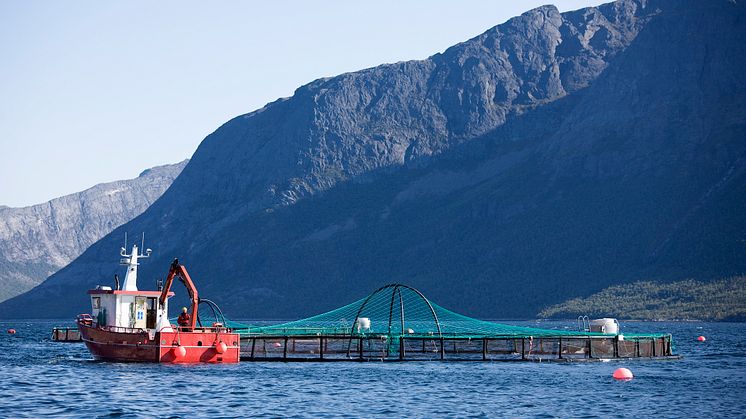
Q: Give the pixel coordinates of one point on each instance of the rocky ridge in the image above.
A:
(38, 240)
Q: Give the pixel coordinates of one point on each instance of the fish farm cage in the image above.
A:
(398, 323)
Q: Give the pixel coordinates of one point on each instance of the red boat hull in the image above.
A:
(200, 346)
(132, 345)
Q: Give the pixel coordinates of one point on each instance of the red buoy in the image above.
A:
(11, 331)
(221, 348)
(179, 352)
(701, 338)
(623, 374)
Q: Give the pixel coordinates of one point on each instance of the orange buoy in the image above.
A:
(11, 331)
(701, 338)
(622, 374)
(179, 352)
(221, 347)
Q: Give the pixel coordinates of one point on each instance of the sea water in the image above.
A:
(39, 377)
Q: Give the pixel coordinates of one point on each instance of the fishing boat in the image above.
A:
(132, 325)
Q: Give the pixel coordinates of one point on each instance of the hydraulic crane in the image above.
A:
(178, 270)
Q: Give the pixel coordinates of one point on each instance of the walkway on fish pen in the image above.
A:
(398, 323)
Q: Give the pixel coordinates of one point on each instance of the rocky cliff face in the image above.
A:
(352, 126)
(37, 241)
(549, 157)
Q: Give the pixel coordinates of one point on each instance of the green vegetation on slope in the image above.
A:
(723, 299)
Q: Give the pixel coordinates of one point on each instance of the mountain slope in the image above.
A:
(721, 300)
(38, 240)
(550, 157)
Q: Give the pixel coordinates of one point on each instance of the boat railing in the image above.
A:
(205, 329)
(584, 324)
(121, 329)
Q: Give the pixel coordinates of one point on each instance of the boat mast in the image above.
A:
(130, 260)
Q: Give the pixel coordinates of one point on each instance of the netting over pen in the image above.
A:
(399, 310)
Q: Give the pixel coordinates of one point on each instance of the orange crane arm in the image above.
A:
(180, 271)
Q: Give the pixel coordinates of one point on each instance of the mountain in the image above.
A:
(551, 157)
(37, 241)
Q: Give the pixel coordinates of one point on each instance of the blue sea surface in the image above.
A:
(39, 377)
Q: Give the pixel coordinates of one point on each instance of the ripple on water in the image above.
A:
(39, 378)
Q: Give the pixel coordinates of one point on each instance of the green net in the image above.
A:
(397, 310)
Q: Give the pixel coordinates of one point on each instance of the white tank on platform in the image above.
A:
(362, 324)
(605, 325)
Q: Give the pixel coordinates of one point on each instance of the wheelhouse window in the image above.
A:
(96, 303)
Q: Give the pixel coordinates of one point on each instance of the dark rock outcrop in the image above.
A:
(549, 157)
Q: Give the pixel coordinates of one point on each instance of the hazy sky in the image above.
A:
(95, 91)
